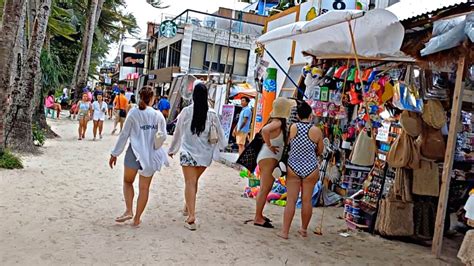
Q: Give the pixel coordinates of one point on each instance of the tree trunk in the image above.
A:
(10, 25)
(95, 10)
(19, 118)
(39, 117)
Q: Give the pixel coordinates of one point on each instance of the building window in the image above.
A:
(203, 53)
(175, 54)
(241, 62)
(198, 51)
(162, 57)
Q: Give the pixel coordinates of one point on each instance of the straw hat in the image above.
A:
(411, 123)
(282, 107)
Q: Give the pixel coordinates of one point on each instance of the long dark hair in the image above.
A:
(201, 107)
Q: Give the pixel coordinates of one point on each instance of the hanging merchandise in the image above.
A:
(387, 86)
(324, 96)
(332, 172)
(399, 154)
(402, 185)
(436, 86)
(426, 179)
(432, 144)
(395, 218)
(411, 123)
(313, 76)
(364, 149)
(406, 96)
(433, 114)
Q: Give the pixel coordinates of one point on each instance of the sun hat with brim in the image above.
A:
(411, 123)
(282, 108)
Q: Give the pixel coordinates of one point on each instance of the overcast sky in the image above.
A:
(145, 13)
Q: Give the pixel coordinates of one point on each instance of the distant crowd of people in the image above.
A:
(98, 105)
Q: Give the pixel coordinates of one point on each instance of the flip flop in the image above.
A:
(266, 224)
(123, 218)
(267, 219)
(190, 227)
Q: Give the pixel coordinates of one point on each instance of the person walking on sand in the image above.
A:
(84, 109)
(133, 104)
(199, 133)
(99, 112)
(241, 131)
(50, 103)
(275, 135)
(142, 156)
(306, 144)
(120, 107)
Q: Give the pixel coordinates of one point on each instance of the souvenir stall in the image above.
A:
(384, 116)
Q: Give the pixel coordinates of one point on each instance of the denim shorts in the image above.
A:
(130, 160)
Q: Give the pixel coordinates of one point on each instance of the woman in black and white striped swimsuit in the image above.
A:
(306, 143)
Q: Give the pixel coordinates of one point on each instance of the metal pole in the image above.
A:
(212, 57)
(227, 60)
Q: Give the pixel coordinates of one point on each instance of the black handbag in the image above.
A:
(248, 158)
(122, 113)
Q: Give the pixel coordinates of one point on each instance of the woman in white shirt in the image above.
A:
(192, 134)
(140, 128)
(99, 111)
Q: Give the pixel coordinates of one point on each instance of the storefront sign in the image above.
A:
(227, 116)
(168, 29)
(133, 60)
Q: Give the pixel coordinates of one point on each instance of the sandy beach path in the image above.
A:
(60, 210)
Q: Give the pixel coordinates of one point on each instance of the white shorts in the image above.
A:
(99, 116)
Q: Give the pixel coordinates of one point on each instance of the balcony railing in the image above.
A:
(211, 21)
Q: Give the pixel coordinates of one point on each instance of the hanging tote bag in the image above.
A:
(426, 179)
(399, 154)
(432, 144)
(364, 150)
(248, 158)
(433, 114)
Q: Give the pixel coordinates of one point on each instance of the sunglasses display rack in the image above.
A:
(360, 210)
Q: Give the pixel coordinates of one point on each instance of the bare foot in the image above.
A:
(282, 235)
(303, 232)
(136, 223)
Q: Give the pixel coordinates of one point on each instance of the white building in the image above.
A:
(221, 43)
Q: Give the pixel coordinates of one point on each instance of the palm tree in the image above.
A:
(157, 4)
(18, 126)
(9, 29)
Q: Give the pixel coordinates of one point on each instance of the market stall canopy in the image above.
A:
(378, 34)
(450, 33)
(242, 89)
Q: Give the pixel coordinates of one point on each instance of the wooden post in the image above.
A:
(448, 160)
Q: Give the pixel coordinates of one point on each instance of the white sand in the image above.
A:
(60, 210)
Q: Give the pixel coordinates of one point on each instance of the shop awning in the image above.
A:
(377, 33)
